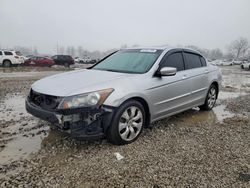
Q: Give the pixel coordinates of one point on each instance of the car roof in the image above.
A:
(164, 48)
(9, 50)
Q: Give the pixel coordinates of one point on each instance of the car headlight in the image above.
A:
(85, 100)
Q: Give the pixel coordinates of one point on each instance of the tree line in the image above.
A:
(237, 49)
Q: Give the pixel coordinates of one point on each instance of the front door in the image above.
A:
(170, 94)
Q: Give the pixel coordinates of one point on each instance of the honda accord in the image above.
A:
(125, 92)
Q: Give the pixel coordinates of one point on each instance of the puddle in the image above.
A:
(20, 148)
(235, 78)
(223, 95)
(221, 113)
(13, 108)
(20, 134)
(28, 74)
(193, 116)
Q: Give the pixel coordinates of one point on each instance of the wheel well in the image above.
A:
(217, 87)
(146, 108)
(6, 60)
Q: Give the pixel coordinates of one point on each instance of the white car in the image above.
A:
(237, 62)
(83, 60)
(245, 65)
(9, 58)
(222, 63)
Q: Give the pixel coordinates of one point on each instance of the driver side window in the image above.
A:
(174, 60)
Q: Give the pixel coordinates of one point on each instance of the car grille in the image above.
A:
(46, 102)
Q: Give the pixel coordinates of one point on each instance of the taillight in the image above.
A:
(16, 57)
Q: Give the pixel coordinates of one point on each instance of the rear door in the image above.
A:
(197, 74)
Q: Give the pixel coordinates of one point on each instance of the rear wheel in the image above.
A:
(6, 63)
(127, 124)
(66, 65)
(210, 99)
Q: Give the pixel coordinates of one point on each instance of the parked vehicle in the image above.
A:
(245, 65)
(85, 60)
(65, 60)
(125, 92)
(223, 63)
(39, 61)
(93, 61)
(78, 60)
(9, 58)
(237, 62)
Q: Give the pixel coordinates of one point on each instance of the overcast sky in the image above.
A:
(105, 24)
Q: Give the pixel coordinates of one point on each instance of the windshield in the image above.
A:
(129, 61)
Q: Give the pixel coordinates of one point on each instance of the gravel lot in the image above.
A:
(191, 149)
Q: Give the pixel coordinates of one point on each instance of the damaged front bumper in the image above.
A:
(86, 123)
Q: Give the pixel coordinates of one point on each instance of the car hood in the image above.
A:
(77, 82)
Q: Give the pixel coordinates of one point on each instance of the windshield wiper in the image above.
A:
(110, 70)
(120, 71)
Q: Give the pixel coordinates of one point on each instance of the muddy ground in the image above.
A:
(191, 149)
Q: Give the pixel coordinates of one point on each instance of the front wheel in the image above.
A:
(210, 99)
(127, 124)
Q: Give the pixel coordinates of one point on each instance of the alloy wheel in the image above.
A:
(130, 123)
(211, 97)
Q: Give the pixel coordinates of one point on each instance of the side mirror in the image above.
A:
(167, 71)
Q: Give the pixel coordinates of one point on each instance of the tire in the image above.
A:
(210, 99)
(127, 124)
(66, 65)
(242, 66)
(7, 63)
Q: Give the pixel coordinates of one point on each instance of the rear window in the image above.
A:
(192, 61)
(18, 53)
(8, 53)
(68, 57)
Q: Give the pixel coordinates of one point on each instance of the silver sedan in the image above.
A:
(125, 92)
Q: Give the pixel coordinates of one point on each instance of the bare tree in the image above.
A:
(238, 48)
(68, 50)
(61, 50)
(215, 54)
(80, 51)
(72, 51)
(124, 46)
(204, 52)
(35, 52)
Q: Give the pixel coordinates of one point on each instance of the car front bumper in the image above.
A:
(82, 123)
